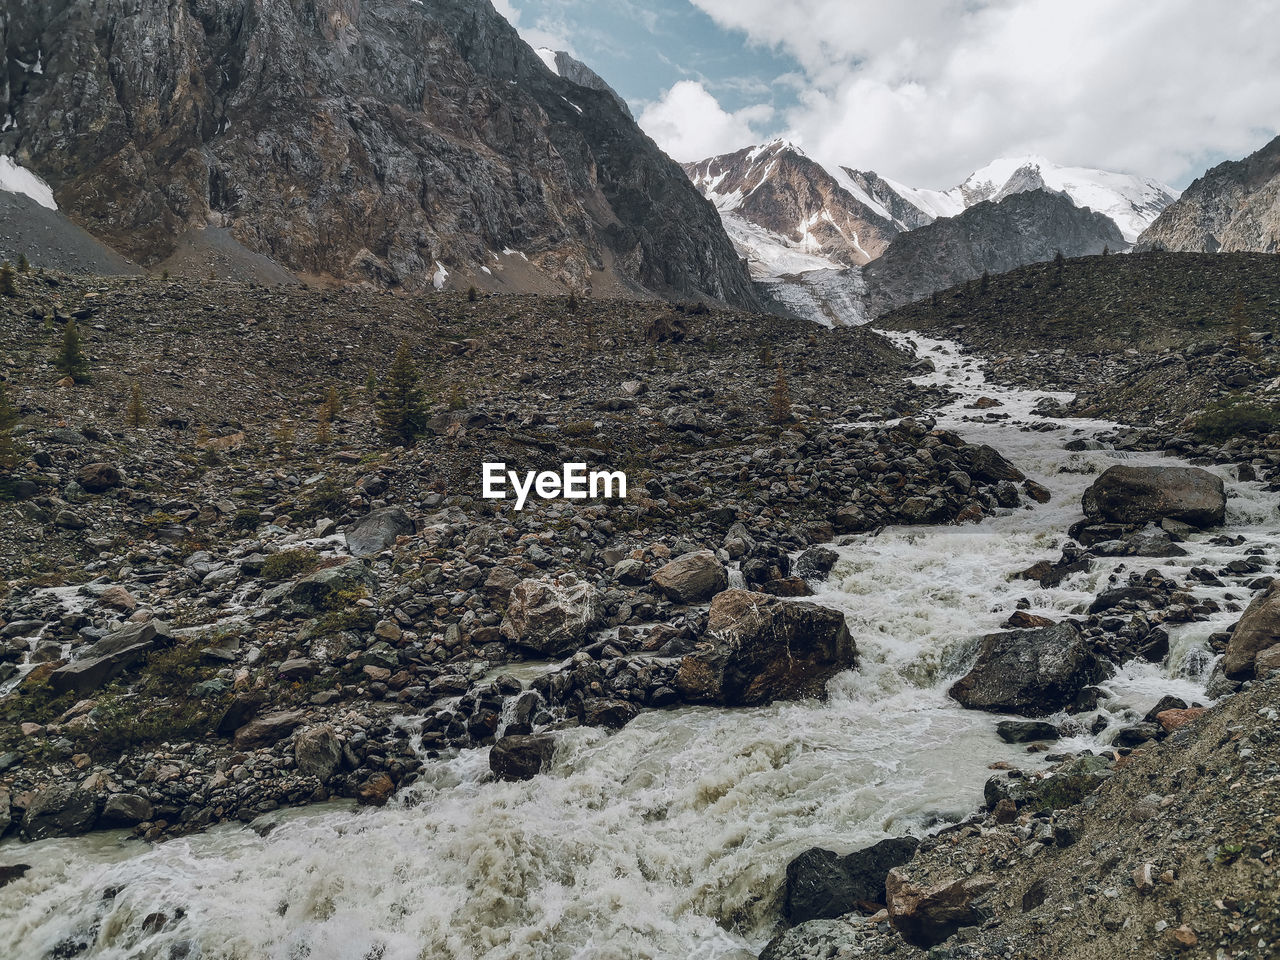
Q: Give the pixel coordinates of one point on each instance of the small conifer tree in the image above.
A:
(780, 403)
(472, 295)
(572, 305)
(401, 403)
(7, 286)
(134, 414)
(24, 265)
(766, 356)
(10, 451)
(984, 285)
(71, 359)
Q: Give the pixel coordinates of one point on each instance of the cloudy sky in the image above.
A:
(925, 91)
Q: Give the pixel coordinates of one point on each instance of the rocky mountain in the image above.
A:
(810, 230)
(403, 144)
(1234, 207)
(990, 237)
(564, 65)
(789, 214)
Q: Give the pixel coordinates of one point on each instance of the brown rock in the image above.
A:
(1257, 631)
(118, 598)
(267, 730)
(98, 477)
(376, 790)
(692, 577)
(1021, 620)
(521, 757)
(925, 917)
(1171, 720)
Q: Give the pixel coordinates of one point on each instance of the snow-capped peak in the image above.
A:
(548, 56)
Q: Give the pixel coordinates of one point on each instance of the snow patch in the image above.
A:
(441, 275)
(548, 56)
(18, 179)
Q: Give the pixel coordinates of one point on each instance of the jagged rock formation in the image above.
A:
(576, 71)
(1234, 208)
(991, 237)
(403, 144)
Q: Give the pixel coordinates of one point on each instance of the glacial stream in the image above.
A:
(669, 838)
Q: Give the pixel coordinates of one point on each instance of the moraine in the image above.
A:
(670, 837)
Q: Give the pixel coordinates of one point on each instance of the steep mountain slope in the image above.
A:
(992, 236)
(400, 143)
(789, 214)
(1234, 207)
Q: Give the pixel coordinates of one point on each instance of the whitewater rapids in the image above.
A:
(669, 838)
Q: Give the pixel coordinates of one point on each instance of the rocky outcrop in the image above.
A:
(1254, 636)
(110, 657)
(1032, 672)
(551, 617)
(1234, 207)
(378, 530)
(991, 237)
(760, 649)
(399, 144)
(1136, 495)
(821, 884)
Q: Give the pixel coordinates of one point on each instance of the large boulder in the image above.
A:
(323, 590)
(265, 731)
(926, 916)
(693, 577)
(521, 757)
(822, 884)
(125, 810)
(61, 810)
(1150, 494)
(1256, 632)
(378, 530)
(552, 617)
(988, 464)
(759, 648)
(318, 752)
(98, 477)
(111, 656)
(1030, 672)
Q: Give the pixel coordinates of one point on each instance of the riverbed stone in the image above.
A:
(822, 884)
(1255, 634)
(1134, 495)
(927, 916)
(552, 616)
(693, 577)
(521, 757)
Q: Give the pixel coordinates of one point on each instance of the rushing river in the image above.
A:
(669, 838)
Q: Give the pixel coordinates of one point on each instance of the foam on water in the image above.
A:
(669, 838)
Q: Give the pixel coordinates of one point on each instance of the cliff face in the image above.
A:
(362, 140)
(1234, 208)
(989, 237)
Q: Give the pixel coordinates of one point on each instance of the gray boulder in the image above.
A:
(318, 752)
(693, 577)
(61, 810)
(552, 617)
(111, 656)
(125, 810)
(1031, 672)
(378, 530)
(265, 731)
(1133, 495)
(760, 648)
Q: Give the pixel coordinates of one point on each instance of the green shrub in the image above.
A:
(288, 564)
(1234, 416)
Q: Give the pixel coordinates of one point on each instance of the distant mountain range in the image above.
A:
(809, 230)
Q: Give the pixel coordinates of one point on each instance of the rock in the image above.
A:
(760, 648)
(822, 884)
(299, 668)
(988, 464)
(60, 810)
(378, 530)
(925, 917)
(117, 598)
(1133, 495)
(521, 757)
(1032, 672)
(1021, 620)
(125, 810)
(320, 591)
(614, 714)
(318, 752)
(98, 477)
(552, 617)
(1026, 731)
(630, 572)
(376, 790)
(814, 940)
(693, 577)
(1257, 631)
(1069, 783)
(1136, 734)
(111, 656)
(816, 563)
(12, 872)
(267, 730)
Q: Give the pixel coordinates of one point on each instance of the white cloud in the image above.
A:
(541, 34)
(927, 91)
(689, 123)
